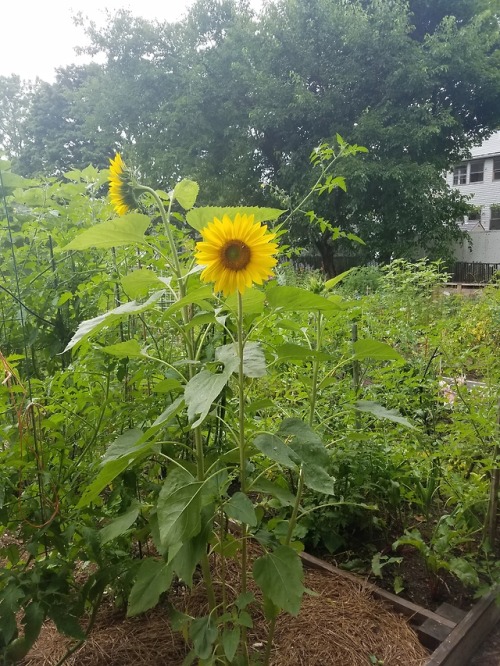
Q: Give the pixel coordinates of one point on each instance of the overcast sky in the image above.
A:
(38, 36)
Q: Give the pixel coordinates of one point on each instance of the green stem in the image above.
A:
(300, 486)
(186, 316)
(241, 444)
(165, 216)
(314, 388)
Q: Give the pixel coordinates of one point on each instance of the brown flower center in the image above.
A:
(235, 255)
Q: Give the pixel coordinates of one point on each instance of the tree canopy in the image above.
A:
(238, 101)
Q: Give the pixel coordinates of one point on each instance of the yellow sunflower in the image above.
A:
(121, 191)
(236, 253)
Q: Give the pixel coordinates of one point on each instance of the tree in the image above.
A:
(238, 101)
(362, 69)
(15, 101)
(55, 136)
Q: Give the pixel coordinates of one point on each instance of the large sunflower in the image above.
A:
(121, 191)
(236, 253)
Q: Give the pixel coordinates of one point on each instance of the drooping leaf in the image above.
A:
(241, 508)
(375, 349)
(153, 578)
(230, 642)
(200, 217)
(203, 634)
(172, 410)
(309, 451)
(186, 559)
(125, 230)
(186, 193)
(274, 448)
(121, 524)
(204, 388)
(93, 326)
(125, 445)
(179, 507)
(66, 622)
(280, 576)
(380, 412)
(107, 474)
(263, 485)
(254, 361)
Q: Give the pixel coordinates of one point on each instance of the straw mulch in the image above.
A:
(342, 626)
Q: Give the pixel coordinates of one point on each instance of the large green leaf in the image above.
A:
(263, 485)
(254, 361)
(203, 634)
(329, 284)
(153, 578)
(121, 524)
(186, 193)
(205, 387)
(198, 218)
(308, 450)
(139, 283)
(172, 410)
(126, 444)
(230, 642)
(11, 181)
(108, 473)
(280, 576)
(179, 506)
(374, 349)
(295, 299)
(241, 508)
(380, 412)
(91, 326)
(126, 349)
(274, 448)
(296, 352)
(126, 230)
(185, 560)
(198, 296)
(252, 300)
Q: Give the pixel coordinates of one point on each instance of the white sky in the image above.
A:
(38, 36)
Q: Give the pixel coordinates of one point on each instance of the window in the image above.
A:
(474, 216)
(496, 168)
(460, 175)
(476, 171)
(495, 219)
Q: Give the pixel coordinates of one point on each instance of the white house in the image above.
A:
(479, 176)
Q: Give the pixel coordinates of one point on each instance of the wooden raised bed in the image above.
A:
(453, 634)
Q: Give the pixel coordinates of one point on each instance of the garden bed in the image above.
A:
(346, 621)
(342, 623)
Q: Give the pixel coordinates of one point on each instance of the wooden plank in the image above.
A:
(432, 633)
(458, 648)
(401, 605)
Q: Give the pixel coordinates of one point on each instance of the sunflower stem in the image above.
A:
(165, 216)
(241, 444)
(300, 487)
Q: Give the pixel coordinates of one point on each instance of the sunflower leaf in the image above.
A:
(198, 218)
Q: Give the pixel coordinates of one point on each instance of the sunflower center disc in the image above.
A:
(235, 255)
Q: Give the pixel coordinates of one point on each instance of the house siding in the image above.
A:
(487, 192)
